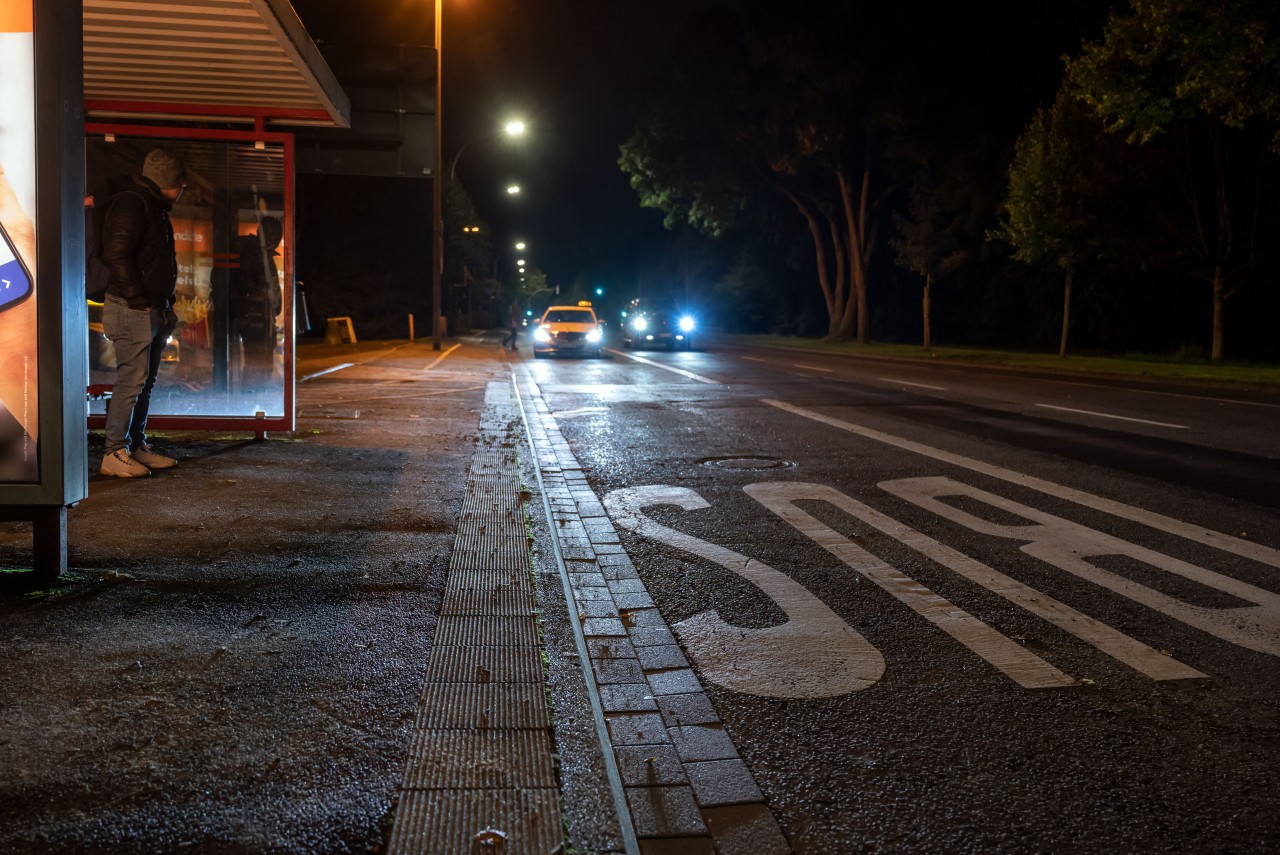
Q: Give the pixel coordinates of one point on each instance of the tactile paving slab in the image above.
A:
(484, 706)
(481, 772)
(450, 822)
(483, 759)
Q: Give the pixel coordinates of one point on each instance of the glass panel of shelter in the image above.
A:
(226, 356)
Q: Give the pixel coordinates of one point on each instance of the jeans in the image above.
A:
(138, 336)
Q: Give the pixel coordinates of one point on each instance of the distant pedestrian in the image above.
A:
(513, 324)
(137, 314)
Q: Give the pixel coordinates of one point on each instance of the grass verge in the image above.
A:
(1190, 367)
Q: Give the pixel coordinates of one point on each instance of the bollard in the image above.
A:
(411, 326)
(260, 433)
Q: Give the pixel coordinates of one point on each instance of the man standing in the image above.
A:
(255, 303)
(137, 315)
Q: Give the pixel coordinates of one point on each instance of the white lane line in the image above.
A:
(670, 368)
(440, 358)
(909, 383)
(1131, 391)
(1110, 416)
(813, 368)
(1218, 540)
(754, 359)
(326, 371)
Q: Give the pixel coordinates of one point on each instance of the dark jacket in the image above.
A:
(138, 249)
(256, 289)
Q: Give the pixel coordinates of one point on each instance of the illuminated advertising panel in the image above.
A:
(19, 398)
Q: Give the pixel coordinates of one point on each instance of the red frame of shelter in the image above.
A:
(259, 134)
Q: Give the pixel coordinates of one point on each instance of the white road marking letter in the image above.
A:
(1216, 539)
(815, 654)
(1016, 662)
(1067, 545)
(1133, 653)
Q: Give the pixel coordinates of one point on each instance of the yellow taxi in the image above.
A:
(568, 329)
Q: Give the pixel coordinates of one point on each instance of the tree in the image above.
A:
(468, 247)
(942, 226)
(1207, 74)
(1058, 190)
(772, 101)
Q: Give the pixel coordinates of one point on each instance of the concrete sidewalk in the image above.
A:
(237, 661)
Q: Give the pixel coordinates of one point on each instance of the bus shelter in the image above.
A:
(222, 84)
(87, 88)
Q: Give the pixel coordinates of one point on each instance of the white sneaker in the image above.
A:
(120, 464)
(147, 456)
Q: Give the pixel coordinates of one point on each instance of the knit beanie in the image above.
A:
(165, 170)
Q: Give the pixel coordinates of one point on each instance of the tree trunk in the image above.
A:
(841, 285)
(1066, 313)
(925, 305)
(857, 222)
(835, 310)
(1219, 307)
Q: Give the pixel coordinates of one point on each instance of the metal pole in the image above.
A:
(437, 179)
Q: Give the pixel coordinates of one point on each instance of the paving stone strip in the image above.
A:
(481, 761)
(688, 790)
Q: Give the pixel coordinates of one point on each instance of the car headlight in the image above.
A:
(687, 324)
(595, 335)
(640, 324)
(541, 334)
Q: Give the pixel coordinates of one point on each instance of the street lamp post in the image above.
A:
(437, 178)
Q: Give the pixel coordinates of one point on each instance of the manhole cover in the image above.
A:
(746, 462)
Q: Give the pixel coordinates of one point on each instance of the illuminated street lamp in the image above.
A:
(513, 128)
(520, 246)
(513, 189)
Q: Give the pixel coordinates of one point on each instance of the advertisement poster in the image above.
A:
(19, 404)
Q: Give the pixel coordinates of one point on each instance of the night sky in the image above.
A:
(575, 71)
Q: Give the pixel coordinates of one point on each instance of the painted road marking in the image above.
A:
(1218, 540)
(815, 654)
(1015, 661)
(779, 498)
(754, 359)
(670, 368)
(1067, 546)
(326, 371)
(918, 385)
(440, 358)
(1110, 416)
(1132, 391)
(813, 368)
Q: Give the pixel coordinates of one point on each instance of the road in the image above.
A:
(955, 609)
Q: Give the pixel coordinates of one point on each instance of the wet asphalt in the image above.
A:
(235, 660)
